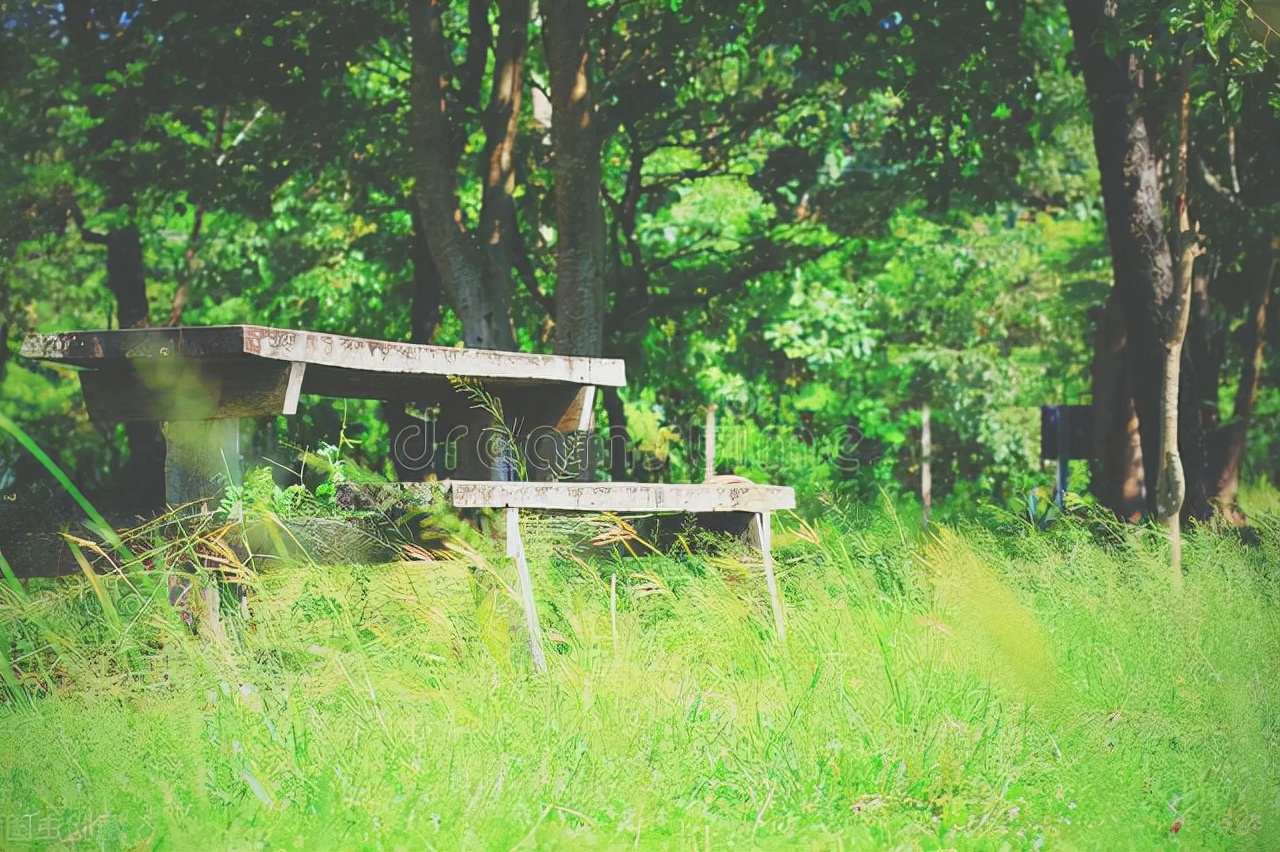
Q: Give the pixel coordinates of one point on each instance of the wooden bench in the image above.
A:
(761, 500)
(723, 494)
(199, 381)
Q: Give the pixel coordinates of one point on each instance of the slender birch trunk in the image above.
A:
(1171, 486)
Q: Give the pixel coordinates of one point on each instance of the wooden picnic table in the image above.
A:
(199, 381)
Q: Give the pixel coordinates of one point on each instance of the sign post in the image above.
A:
(1066, 433)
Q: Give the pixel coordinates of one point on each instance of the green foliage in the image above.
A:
(979, 317)
(507, 448)
(820, 215)
(259, 495)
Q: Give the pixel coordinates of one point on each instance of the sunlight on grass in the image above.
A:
(990, 684)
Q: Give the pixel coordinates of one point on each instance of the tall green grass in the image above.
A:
(988, 686)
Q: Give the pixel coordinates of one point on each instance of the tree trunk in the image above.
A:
(482, 300)
(1171, 486)
(142, 476)
(1128, 360)
(1201, 376)
(1230, 443)
(576, 141)
(499, 229)
(4, 317)
(409, 436)
(424, 309)
(619, 447)
(126, 277)
(1117, 477)
(473, 265)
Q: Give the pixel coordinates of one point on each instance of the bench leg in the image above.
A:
(765, 527)
(515, 549)
(211, 625)
(205, 617)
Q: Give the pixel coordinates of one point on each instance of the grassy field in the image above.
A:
(989, 685)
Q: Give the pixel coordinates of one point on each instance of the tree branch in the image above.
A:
(499, 225)
(244, 131)
(523, 263)
(1171, 485)
(700, 286)
(1213, 182)
(479, 40)
(77, 215)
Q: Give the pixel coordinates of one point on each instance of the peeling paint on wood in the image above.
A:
(216, 372)
(578, 496)
(93, 348)
(619, 496)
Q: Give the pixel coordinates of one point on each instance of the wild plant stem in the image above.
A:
(104, 529)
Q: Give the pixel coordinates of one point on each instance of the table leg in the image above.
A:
(765, 526)
(202, 457)
(515, 549)
(197, 454)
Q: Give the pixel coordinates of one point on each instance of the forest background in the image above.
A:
(820, 217)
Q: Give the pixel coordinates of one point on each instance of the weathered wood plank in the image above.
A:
(96, 348)
(293, 388)
(385, 356)
(376, 358)
(616, 496)
(180, 390)
(217, 372)
(579, 415)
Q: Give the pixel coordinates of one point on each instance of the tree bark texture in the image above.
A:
(424, 319)
(1129, 356)
(1201, 374)
(619, 444)
(143, 474)
(126, 277)
(481, 298)
(424, 309)
(1117, 465)
(499, 228)
(576, 139)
